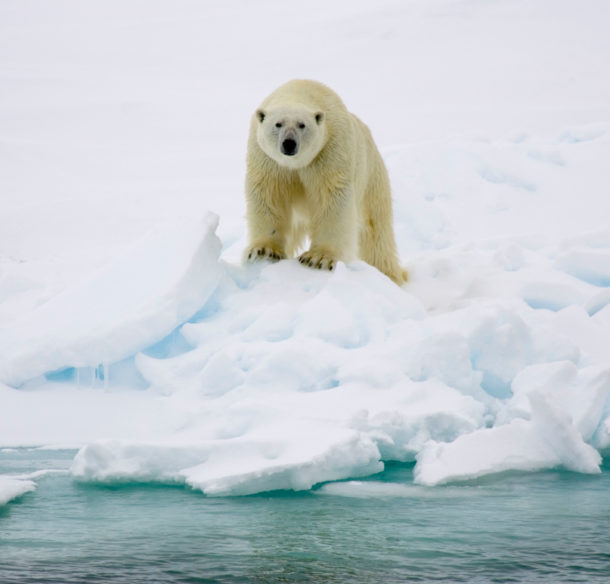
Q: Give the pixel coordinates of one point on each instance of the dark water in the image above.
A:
(539, 527)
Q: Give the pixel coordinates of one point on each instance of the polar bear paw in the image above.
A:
(264, 253)
(318, 259)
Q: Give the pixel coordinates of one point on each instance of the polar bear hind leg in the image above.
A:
(376, 238)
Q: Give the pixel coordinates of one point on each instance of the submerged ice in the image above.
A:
(13, 487)
(275, 376)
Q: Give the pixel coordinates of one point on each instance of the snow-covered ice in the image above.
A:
(103, 319)
(130, 329)
(287, 377)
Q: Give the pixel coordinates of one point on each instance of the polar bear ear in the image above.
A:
(319, 117)
(260, 114)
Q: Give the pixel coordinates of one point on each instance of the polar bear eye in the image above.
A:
(301, 125)
(278, 124)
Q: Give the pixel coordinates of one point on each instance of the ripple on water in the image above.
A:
(542, 527)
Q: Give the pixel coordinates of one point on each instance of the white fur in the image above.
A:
(328, 182)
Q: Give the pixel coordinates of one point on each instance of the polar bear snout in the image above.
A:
(289, 141)
(289, 147)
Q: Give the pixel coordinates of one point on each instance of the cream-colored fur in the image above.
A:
(314, 171)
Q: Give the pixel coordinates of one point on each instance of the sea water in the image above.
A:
(551, 526)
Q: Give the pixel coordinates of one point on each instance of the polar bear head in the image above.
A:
(292, 136)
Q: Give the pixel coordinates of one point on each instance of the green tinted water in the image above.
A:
(541, 527)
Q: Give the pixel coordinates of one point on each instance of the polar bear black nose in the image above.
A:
(289, 147)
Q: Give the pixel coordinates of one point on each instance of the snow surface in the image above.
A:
(145, 295)
(130, 329)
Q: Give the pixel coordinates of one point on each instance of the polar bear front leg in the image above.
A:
(333, 233)
(265, 248)
(267, 240)
(322, 259)
(264, 252)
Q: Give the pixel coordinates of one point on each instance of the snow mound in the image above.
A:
(12, 488)
(141, 298)
(276, 376)
(549, 439)
(292, 377)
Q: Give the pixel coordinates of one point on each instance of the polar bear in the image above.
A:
(314, 172)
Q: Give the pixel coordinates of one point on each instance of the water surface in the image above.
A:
(515, 527)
